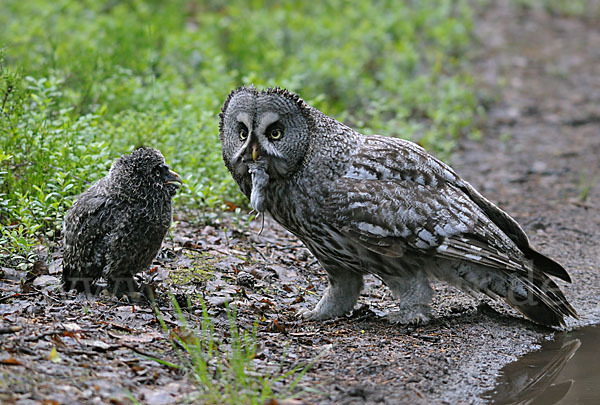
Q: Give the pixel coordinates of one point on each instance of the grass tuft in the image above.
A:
(223, 369)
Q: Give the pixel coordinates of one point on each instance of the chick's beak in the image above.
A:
(254, 152)
(173, 179)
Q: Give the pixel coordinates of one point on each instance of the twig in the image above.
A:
(9, 90)
(117, 326)
(16, 295)
(47, 295)
(258, 251)
(79, 352)
(139, 351)
(10, 329)
(54, 332)
(28, 351)
(43, 335)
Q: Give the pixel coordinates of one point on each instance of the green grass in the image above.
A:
(223, 369)
(82, 82)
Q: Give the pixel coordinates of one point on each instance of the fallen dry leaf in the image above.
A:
(11, 361)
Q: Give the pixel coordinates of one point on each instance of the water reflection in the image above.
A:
(565, 371)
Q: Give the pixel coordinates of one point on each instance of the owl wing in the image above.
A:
(514, 231)
(480, 223)
(393, 217)
(87, 225)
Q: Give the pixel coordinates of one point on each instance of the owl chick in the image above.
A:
(116, 227)
(380, 205)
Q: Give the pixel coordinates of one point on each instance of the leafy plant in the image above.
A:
(46, 156)
(82, 82)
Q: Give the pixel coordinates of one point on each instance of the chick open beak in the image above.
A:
(173, 179)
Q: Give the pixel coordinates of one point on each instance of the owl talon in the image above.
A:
(418, 315)
(309, 315)
(303, 313)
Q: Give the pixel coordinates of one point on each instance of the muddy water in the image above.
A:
(565, 371)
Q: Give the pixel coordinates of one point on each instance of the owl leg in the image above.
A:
(339, 297)
(414, 293)
(81, 284)
(120, 286)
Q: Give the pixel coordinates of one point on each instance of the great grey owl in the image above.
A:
(116, 227)
(380, 205)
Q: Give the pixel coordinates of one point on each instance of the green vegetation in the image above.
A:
(588, 9)
(586, 182)
(224, 369)
(199, 271)
(82, 82)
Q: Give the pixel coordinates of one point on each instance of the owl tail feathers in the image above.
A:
(532, 293)
(539, 299)
(546, 265)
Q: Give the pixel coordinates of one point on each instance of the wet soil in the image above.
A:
(539, 159)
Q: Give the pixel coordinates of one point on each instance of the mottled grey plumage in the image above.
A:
(380, 205)
(116, 227)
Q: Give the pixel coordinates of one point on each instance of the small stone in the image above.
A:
(245, 279)
(303, 255)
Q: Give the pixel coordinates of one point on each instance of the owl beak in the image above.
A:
(173, 179)
(254, 152)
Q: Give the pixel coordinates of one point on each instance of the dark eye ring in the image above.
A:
(243, 134)
(275, 134)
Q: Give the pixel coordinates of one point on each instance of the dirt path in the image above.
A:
(540, 159)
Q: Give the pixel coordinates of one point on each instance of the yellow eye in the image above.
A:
(243, 134)
(276, 134)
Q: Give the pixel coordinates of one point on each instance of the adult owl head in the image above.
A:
(274, 127)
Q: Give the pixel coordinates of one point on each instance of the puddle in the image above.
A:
(565, 371)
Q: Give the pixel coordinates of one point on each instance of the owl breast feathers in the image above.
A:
(380, 205)
(116, 227)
